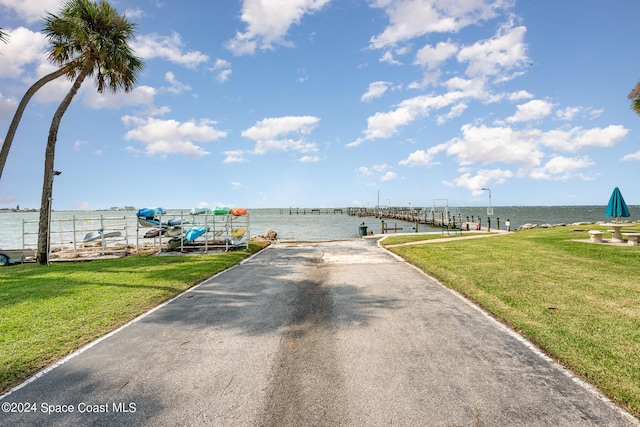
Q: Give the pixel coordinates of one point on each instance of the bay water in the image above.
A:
(19, 229)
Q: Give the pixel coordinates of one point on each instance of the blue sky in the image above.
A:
(322, 103)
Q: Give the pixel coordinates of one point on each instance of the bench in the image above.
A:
(449, 228)
(632, 238)
(596, 236)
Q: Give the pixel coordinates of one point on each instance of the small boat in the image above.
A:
(237, 241)
(238, 232)
(150, 212)
(147, 222)
(221, 211)
(100, 234)
(194, 232)
(176, 221)
(173, 232)
(238, 236)
(199, 211)
(155, 232)
(238, 211)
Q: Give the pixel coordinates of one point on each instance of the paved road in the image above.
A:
(325, 334)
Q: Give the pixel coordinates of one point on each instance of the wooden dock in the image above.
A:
(426, 216)
(314, 211)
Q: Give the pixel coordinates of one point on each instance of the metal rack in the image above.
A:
(222, 231)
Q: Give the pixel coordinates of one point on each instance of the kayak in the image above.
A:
(198, 211)
(95, 235)
(238, 211)
(238, 232)
(220, 211)
(150, 212)
(173, 232)
(155, 232)
(237, 241)
(194, 232)
(147, 222)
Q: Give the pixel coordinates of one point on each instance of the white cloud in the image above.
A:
(432, 57)
(267, 145)
(631, 157)
(270, 134)
(223, 71)
(389, 58)
(31, 11)
(151, 46)
(521, 94)
(561, 168)
(277, 126)
(25, 47)
(381, 168)
(234, 156)
(568, 113)
(501, 53)
(164, 137)
(7, 107)
(79, 144)
(176, 87)
(532, 110)
(268, 22)
(414, 18)
(140, 95)
(455, 111)
(363, 170)
(385, 125)
(389, 176)
(134, 13)
(417, 158)
(577, 138)
(487, 145)
(376, 90)
(309, 159)
(482, 179)
(495, 144)
(420, 158)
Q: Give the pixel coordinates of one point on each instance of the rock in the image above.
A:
(270, 234)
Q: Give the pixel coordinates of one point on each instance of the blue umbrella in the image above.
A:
(617, 207)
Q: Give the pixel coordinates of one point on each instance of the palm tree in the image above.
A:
(97, 37)
(3, 36)
(634, 96)
(67, 69)
(13, 126)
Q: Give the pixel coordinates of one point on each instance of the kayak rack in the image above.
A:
(199, 230)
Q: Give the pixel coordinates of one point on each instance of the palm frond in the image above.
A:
(88, 32)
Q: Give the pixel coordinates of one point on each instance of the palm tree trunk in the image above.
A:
(17, 116)
(42, 255)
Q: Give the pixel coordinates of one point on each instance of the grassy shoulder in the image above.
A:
(577, 301)
(421, 237)
(48, 312)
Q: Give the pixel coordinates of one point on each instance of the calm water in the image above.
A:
(294, 227)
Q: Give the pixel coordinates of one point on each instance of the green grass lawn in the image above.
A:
(579, 302)
(48, 312)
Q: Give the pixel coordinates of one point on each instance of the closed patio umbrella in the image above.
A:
(617, 208)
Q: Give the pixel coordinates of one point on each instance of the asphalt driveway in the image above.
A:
(325, 334)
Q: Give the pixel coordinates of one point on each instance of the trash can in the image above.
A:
(363, 230)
